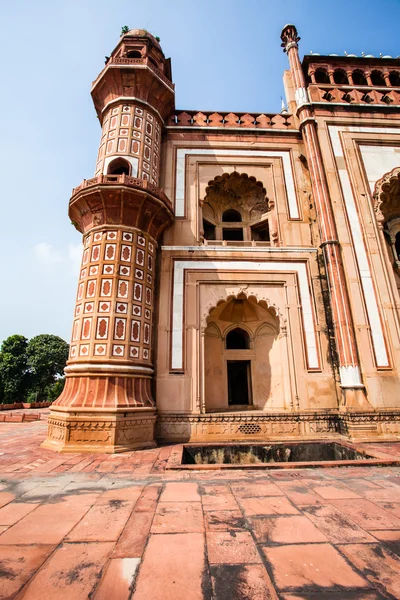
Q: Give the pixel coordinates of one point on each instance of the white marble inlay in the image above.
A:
(301, 96)
(375, 169)
(378, 161)
(350, 377)
(181, 154)
(264, 249)
(233, 265)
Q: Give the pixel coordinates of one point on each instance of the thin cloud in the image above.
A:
(47, 254)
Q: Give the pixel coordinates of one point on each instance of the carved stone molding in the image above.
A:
(99, 432)
(230, 427)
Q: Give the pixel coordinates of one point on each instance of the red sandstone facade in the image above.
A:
(240, 274)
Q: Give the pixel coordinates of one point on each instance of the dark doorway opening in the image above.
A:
(209, 230)
(238, 382)
(232, 235)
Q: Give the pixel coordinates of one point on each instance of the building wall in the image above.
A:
(286, 276)
(357, 152)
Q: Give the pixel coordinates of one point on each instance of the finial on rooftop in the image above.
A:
(289, 37)
(284, 110)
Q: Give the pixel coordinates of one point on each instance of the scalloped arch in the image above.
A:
(254, 297)
(387, 188)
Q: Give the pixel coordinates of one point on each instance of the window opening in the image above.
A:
(394, 78)
(209, 230)
(321, 76)
(377, 78)
(397, 245)
(232, 235)
(359, 78)
(340, 77)
(260, 233)
(237, 339)
(133, 54)
(119, 166)
(231, 216)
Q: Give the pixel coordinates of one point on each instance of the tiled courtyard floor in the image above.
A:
(115, 527)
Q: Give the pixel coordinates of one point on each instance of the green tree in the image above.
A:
(55, 389)
(47, 356)
(14, 375)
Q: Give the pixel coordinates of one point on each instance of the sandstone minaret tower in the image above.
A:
(107, 404)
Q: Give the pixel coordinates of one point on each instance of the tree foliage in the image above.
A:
(32, 370)
(14, 375)
(46, 358)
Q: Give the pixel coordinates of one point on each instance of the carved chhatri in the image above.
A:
(108, 404)
(240, 271)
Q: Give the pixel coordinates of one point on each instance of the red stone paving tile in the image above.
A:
(180, 492)
(256, 489)
(240, 582)
(387, 536)
(92, 466)
(18, 564)
(299, 492)
(134, 536)
(331, 492)
(49, 523)
(13, 512)
(116, 583)
(76, 468)
(131, 493)
(172, 568)
(231, 547)
(218, 497)
(366, 514)
(394, 480)
(388, 494)
(49, 465)
(286, 530)
(104, 522)
(148, 499)
(360, 486)
(5, 498)
(381, 567)
(71, 573)
(268, 505)
(335, 526)
(347, 595)
(391, 507)
(317, 565)
(223, 520)
(294, 475)
(144, 468)
(178, 517)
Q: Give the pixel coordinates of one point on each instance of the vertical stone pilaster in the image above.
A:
(349, 367)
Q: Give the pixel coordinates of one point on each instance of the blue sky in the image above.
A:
(226, 56)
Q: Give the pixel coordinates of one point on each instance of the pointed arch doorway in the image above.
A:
(240, 348)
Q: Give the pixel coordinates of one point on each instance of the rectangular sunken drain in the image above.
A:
(241, 454)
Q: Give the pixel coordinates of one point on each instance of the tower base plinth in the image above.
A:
(100, 431)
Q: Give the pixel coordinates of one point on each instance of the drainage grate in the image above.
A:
(249, 428)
